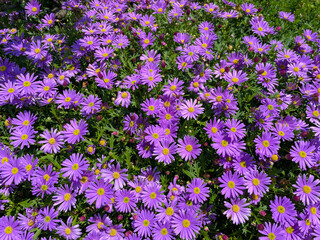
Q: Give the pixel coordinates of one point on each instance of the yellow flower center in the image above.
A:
(34, 9)
(186, 223)
(28, 167)
(169, 211)
(165, 151)
(164, 231)
(153, 195)
(76, 132)
(100, 191)
(196, 190)
(146, 41)
(313, 210)
(146, 223)
(67, 231)
(235, 208)
(306, 189)
(235, 80)
(231, 184)
(37, 50)
(124, 95)
(274, 157)
(113, 232)
(189, 148)
(265, 143)
(224, 143)
(75, 166)
(302, 154)
(26, 84)
(24, 137)
(89, 42)
(11, 90)
(255, 181)
(138, 189)
(281, 133)
(116, 175)
(233, 129)
(126, 200)
(47, 219)
(67, 196)
(14, 171)
(316, 113)
(281, 209)
(8, 230)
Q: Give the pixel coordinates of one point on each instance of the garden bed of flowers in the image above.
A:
(149, 119)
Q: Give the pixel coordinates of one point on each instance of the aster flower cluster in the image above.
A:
(136, 120)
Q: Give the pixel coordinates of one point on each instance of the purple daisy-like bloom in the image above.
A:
(68, 231)
(190, 109)
(283, 211)
(123, 98)
(154, 134)
(188, 148)
(152, 195)
(91, 105)
(308, 190)
(174, 88)
(198, 192)
(271, 231)
(74, 131)
(267, 145)
(92, 148)
(125, 200)
(213, 127)
(236, 77)
(74, 167)
(99, 192)
(32, 8)
(46, 219)
(24, 119)
(23, 136)
(223, 145)
(151, 106)
(116, 175)
(232, 184)
(54, 141)
(238, 210)
(12, 172)
(65, 197)
(164, 151)
(162, 231)
(235, 129)
(302, 153)
(144, 224)
(186, 225)
(257, 182)
(287, 16)
(9, 228)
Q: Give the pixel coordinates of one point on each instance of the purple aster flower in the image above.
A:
(46, 219)
(65, 197)
(152, 196)
(27, 83)
(99, 223)
(74, 131)
(54, 141)
(236, 77)
(29, 164)
(267, 145)
(48, 20)
(248, 8)
(190, 109)
(214, 126)
(283, 211)
(308, 190)
(271, 231)
(164, 151)
(198, 192)
(232, 184)
(257, 182)
(91, 105)
(151, 106)
(174, 88)
(302, 153)
(123, 98)
(235, 129)
(74, 167)
(116, 175)
(115, 232)
(32, 8)
(24, 119)
(99, 192)
(154, 134)
(162, 231)
(125, 201)
(144, 224)
(223, 145)
(68, 231)
(186, 225)
(12, 172)
(238, 210)
(92, 148)
(23, 136)
(287, 16)
(10, 229)
(165, 213)
(188, 148)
